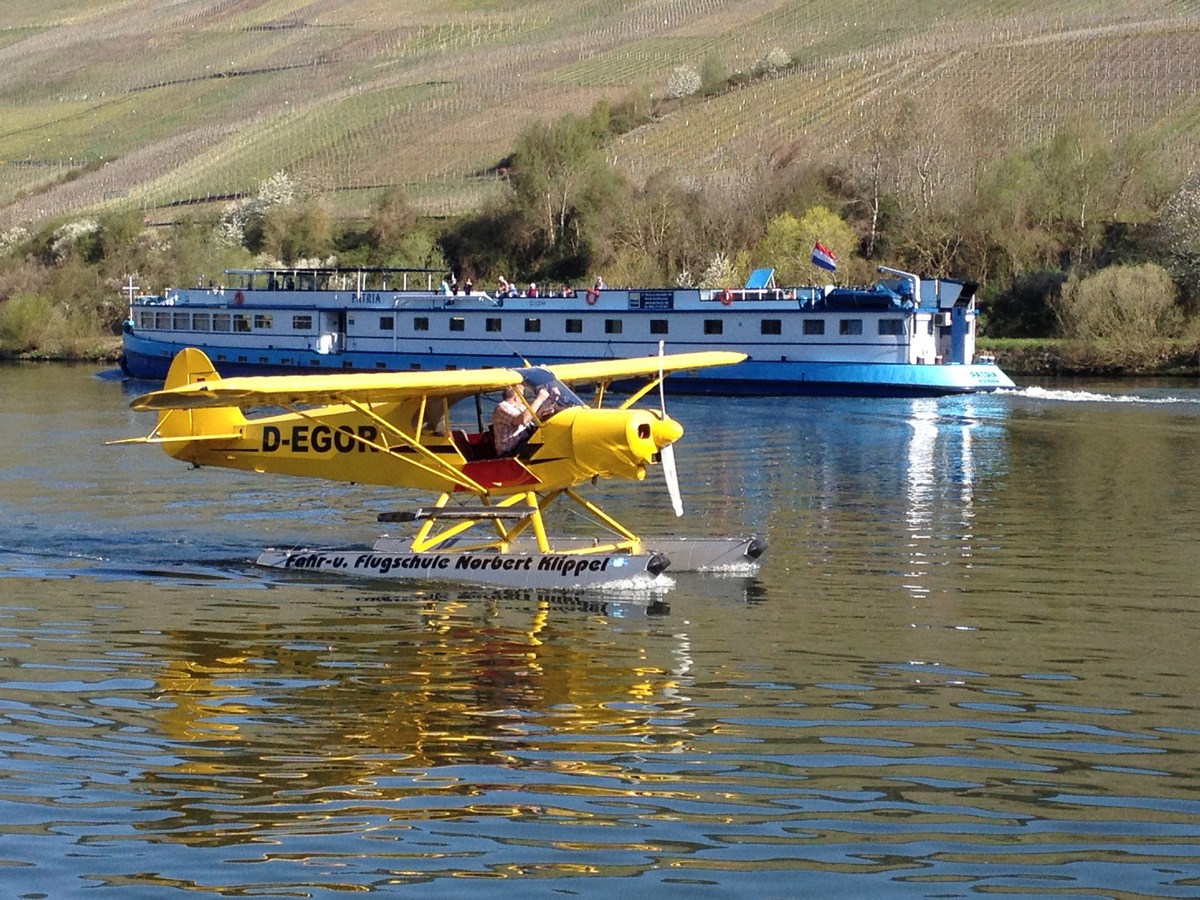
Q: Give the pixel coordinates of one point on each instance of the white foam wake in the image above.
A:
(1067, 396)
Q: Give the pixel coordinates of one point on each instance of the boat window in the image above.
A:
(162, 320)
(241, 323)
(458, 323)
(262, 320)
(387, 323)
(221, 322)
(814, 326)
(421, 323)
(891, 326)
(146, 319)
(714, 326)
(658, 326)
(201, 322)
(492, 325)
(772, 326)
(574, 326)
(533, 326)
(302, 323)
(181, 321)
(612, 326)
(850, 326)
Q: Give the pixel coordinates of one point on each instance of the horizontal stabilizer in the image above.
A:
(179, 439)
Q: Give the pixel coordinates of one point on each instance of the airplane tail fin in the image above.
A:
(191, 366)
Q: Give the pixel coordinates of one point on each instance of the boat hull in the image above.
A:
(150, 359)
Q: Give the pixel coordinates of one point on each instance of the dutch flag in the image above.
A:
(824, 257)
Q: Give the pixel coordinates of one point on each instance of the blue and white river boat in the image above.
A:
(905, 336)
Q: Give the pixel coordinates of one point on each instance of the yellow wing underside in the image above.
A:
(397, 387)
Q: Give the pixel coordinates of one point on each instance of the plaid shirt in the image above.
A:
(507, 421)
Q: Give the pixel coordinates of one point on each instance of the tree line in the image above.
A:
(1082, 236)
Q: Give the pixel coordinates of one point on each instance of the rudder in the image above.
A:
(192, 366)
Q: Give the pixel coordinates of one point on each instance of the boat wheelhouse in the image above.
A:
(903, 336)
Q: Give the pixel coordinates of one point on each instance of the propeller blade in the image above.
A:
(662, 394)
(667, 456)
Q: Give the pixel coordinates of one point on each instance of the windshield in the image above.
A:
(561, 396)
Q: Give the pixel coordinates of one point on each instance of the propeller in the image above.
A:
(666, 455)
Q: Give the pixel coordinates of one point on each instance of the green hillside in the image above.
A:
(153, 104)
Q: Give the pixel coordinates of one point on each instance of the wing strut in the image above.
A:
(439, 468)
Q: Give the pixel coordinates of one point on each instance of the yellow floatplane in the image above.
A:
(395, 428)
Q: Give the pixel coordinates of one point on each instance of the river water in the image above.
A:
(967, 667)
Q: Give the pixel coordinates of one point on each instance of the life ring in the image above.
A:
(238, 298)
(726, 298)
(592, 296)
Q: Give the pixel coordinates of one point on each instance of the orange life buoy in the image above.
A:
(727, 298)
(238, 298)
(592, 296)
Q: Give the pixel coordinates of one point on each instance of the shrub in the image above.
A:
(682, 82)
(1126, 306)
(28, 322)
(713, 75)
(13, 238)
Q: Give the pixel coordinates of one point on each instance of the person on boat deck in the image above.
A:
(445, 287)
(468, 286)
(532, 290)
(599, 284)
(513, 421)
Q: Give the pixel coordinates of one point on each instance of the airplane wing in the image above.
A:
(396, 387)
(612, 369)
(325, 390)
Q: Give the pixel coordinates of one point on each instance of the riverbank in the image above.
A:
(101, 350)
(1050, 357)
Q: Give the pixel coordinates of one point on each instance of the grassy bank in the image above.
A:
(101, 349)
(1079, 358)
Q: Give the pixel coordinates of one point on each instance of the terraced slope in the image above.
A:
(157, 103)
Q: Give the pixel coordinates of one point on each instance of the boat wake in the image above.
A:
(1077, 396)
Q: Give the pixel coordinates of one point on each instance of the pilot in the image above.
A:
(554, 402)
(512, 421)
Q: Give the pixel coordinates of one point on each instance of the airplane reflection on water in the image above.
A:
(376, 712)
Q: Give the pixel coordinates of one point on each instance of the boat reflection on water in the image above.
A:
(941, 481)
(876, 495)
